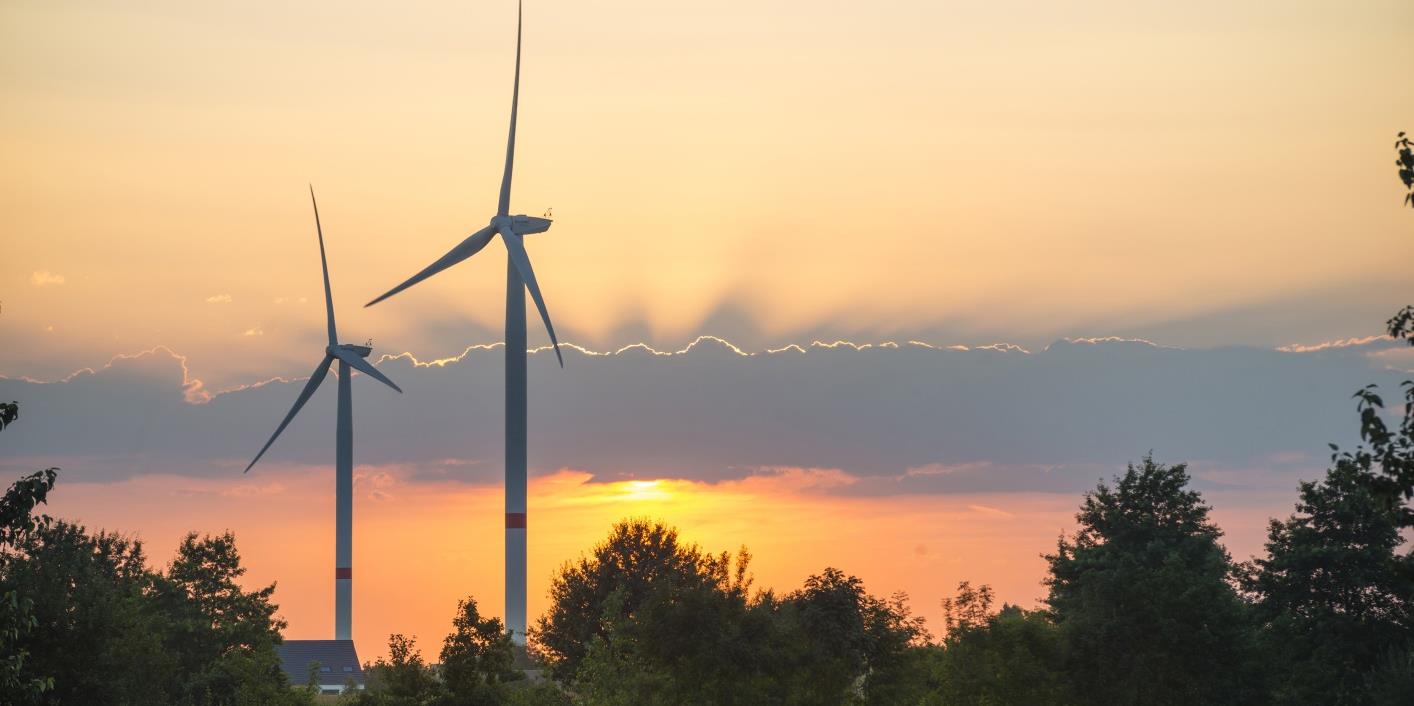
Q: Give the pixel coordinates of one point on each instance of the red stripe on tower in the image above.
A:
(515, 520)
(343, 573)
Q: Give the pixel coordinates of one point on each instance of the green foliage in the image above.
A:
(1013, 656)
(1405, 162)
(403, 679)
(17, 619)
(690, 633)
(1143, 601)
(1392, 680)
(477, 657)
(110, 631)
(1401, 325)
(225, 636)
(666, 622)
(101, 637)
(1330, 593)
(637, 561)
(1335, 592)
(541, 693)
(836, 643)
(970, 610)
(1385, 461)
(476, 670)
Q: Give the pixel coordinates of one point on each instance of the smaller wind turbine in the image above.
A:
(349, 356)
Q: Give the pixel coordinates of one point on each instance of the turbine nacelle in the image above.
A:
(521, 224)
(360, 351)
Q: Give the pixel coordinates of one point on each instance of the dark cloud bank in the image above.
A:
(906, 419)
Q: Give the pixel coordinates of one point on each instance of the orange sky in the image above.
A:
(419, 547)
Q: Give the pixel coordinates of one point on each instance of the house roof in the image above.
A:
(338, 661)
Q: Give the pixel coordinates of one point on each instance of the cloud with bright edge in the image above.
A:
(881, 419)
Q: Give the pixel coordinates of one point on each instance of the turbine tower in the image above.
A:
(519, 278)
(350, 357)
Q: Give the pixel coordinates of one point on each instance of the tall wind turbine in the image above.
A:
(519, 277)
(350, 357)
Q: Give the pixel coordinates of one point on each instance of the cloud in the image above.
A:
(869, 420)
(1363, 342)
(45, 278)
(246, 490)
(254, 331)
(989, 511)
(219, 299)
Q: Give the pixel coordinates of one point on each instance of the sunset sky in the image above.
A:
(1211, 182)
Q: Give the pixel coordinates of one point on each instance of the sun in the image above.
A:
(641, 490)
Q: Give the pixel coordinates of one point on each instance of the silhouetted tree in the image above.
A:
(1142, 597)
(638, 559)
(98, 634)
(110, 631)
(691, 634)
(403, 679)
(826, 619)
(685, 636)
(1401, 325)
(1330, 592)
(17, 620)
(1405, 149)
(477, 658)
(1012, 656)
(225, 636)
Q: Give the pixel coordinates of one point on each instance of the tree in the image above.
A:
(827, 614)
(477, 657)
(1012, 656)
(895, 670)
(683, 636)
(1405, 149)
(17, 620)
(638, 559)
(1330, 593)
(111, 631)
(665, 623)
(97, 634)
(403, 679)
(225, 635)
(970, 610)
(1142, 597)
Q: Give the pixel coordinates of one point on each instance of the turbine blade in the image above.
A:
(365, 367)
(324, 263)
(516, 248)
(466, 249)
(304, 396)
(503, 207)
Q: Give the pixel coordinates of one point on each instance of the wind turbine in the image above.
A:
(349, 356)
(519, 278)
